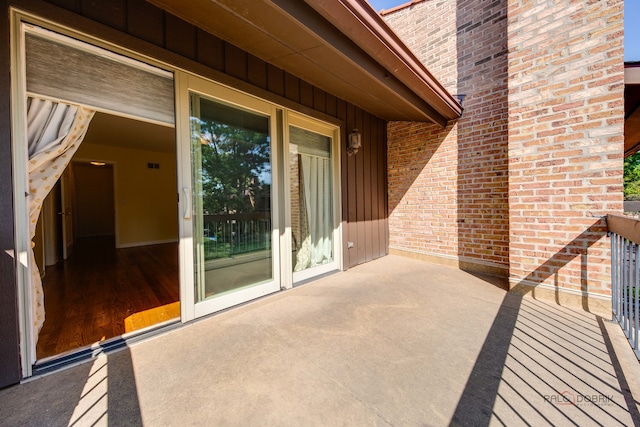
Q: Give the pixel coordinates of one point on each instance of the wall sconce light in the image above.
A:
(95, 163)
(460, 97)
(355, 142)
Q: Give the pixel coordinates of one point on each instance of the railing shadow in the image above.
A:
(99, 392)
(549, 362)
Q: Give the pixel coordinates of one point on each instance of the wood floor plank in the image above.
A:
(89, 296)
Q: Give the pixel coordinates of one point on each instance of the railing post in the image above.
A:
(625, 288)
(633, 290)
(623, 285)
(614, 274)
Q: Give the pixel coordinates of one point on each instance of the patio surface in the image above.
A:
(392, 342)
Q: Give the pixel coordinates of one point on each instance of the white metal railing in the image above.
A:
(229, 235)
(625, 276)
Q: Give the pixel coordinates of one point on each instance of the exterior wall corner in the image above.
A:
(566, 134)
(448, 187)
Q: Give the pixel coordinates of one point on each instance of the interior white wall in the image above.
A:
(146, 205)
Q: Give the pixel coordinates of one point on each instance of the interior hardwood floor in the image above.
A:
(89, 296)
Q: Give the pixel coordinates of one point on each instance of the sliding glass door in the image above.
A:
(232, 217)
(312, 190)
(256, 217)
(258, 184)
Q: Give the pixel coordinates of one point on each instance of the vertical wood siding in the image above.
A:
(364, 179)
(364, 196)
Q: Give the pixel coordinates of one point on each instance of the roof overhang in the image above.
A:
(341, 46)
(631, 110)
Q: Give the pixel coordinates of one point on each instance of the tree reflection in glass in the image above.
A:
(231, 155)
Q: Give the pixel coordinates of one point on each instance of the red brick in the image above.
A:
(550, 114)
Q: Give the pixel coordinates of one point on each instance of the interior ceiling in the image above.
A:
(346, 62)
(116, 131)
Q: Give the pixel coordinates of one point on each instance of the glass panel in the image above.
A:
(311, 198)
(231, 157)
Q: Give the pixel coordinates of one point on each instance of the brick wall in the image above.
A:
(428, 28)
(566, 124)
(423, 188)
(524, 176)
(448, 189)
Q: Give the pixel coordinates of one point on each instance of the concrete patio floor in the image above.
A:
(392, 342)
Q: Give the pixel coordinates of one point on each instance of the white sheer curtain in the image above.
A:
(54, 132)
(317, 247)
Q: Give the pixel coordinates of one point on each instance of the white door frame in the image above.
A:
(186, 84)
(331, 131)
(183, 82)
(20, 22)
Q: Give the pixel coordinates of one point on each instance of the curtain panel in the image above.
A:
(315, 212)
(54, 132)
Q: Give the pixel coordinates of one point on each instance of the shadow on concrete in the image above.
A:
(497, 281)
(532, 357)
(395, 342)
(102, 391)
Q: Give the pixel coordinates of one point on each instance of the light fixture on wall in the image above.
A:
(355, 142)
(98, 163)
(460, 97)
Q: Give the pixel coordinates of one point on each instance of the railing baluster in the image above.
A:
(620, 270)
(628, 291)
(634, 296)
(623, 288)
(230, 235)
(614, 273)
(627, 266)
(627, 282)
(629, 286)
(621, 277)
(230, 238)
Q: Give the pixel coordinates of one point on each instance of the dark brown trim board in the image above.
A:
(9, 338)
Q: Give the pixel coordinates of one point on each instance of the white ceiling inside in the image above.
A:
(107, 129)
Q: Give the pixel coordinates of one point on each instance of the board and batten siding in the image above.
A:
(144, 28)
(149, 30)
(364, 189)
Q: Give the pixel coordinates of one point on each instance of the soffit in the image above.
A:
(631, 109)
(632, 123)
(346, 57)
